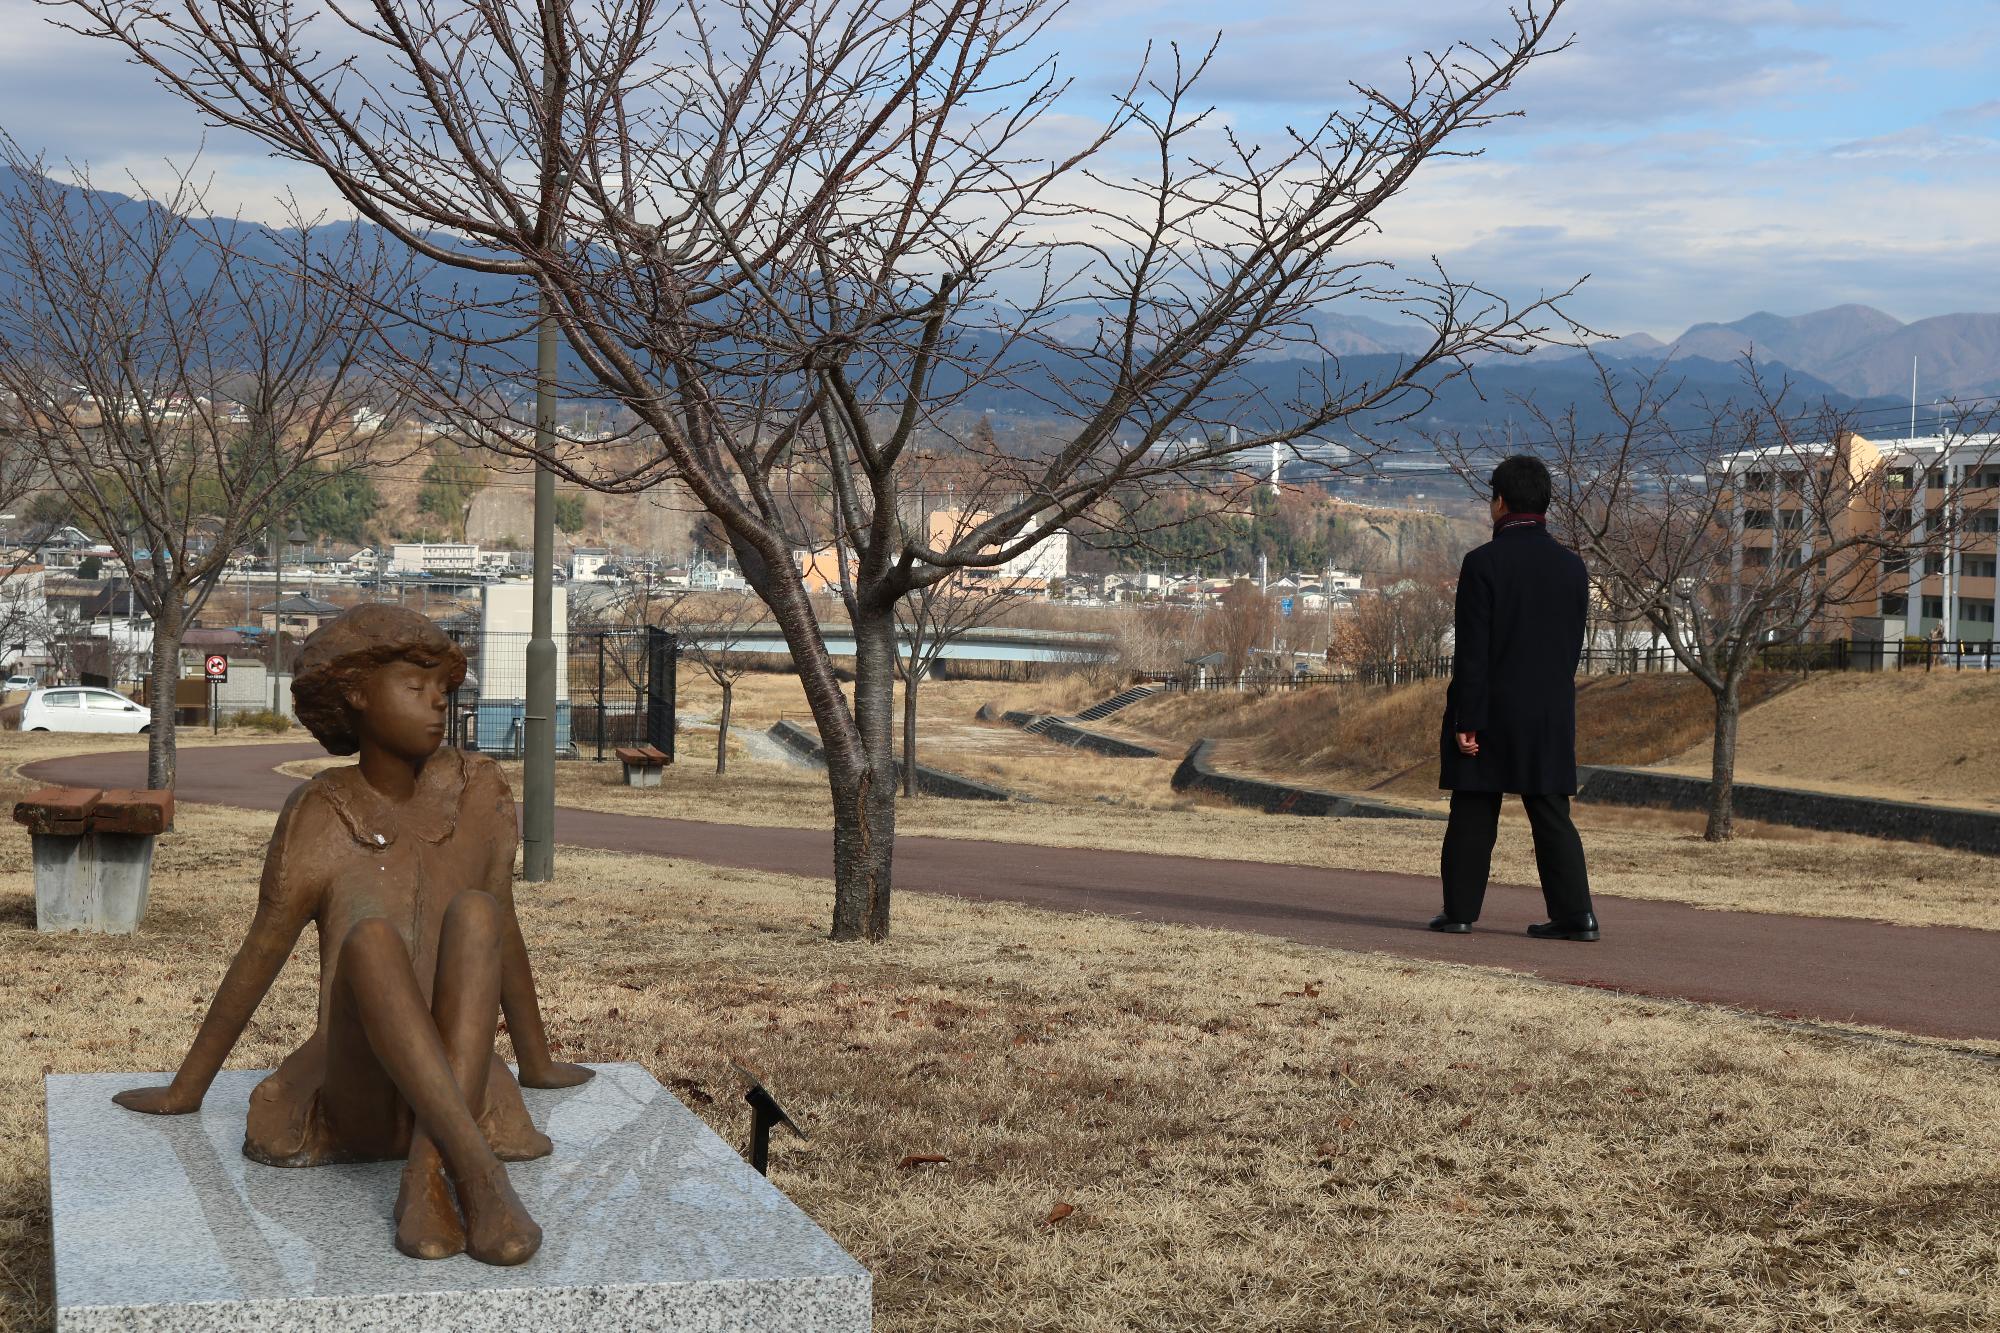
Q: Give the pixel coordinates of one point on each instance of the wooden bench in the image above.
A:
(642, 764)
(93, 854)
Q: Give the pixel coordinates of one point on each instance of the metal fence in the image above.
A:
(613, 687)
(1832, 655)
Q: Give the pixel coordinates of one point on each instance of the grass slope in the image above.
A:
(1908, 735)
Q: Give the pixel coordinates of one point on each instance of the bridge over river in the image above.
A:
(989, 644)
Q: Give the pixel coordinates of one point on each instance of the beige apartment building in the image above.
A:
(1926, 483)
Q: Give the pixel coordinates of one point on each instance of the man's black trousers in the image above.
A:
(1468, 855)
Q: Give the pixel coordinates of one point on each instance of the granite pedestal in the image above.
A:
(650, 1221)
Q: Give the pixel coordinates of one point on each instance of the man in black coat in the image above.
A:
(1510, 714)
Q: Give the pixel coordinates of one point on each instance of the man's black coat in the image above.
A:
(1519, 623)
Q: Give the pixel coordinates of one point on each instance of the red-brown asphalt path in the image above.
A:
(1936, 980)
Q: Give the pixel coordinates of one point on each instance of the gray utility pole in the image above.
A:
(538, 778)
(277, 596)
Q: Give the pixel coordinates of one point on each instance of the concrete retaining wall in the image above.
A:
(930, 781)
(1906, 821)
(1275, 798)
(1063, 732)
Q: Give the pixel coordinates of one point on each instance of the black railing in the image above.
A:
(1831, 655)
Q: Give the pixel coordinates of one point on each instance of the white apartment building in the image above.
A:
(433, 558)
(1952, 590)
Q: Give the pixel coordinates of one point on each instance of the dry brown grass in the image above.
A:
(1911, 736)
(1374, 738)
(1254, 1136)
(1127, 805)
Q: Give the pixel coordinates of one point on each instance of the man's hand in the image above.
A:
(1468, 742)
(158, 1101)
(555, 1074)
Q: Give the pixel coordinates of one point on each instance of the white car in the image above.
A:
(83, 708)
(17, 683)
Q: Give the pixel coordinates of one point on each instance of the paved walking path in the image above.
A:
(1935, 980)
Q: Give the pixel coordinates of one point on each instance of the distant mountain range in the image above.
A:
(1856, 349)
(1853, 356)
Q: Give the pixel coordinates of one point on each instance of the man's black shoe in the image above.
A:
(1584, 930)
(1450, 927)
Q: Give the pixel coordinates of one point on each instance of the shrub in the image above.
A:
(262, 719)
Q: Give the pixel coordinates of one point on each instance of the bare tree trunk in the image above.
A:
(1722, 782)
(722, 729)
(910, 678)
(864, 790)
(164, 681)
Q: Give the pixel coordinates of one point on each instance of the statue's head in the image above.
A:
(380, 673)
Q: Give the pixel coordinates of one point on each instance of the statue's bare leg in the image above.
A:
(465, 1002)
(375, 979)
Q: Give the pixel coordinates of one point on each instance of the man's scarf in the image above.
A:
(1506, 521)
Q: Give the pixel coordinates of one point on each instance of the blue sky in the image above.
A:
(1699, 159)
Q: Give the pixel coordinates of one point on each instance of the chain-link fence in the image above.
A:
(613, 687)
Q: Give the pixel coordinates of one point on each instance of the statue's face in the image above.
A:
(401, 708)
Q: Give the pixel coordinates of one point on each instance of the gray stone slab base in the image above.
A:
(1275, 798)
(650, 1222)
(94, 882)
(642, 775)
(1907, 821)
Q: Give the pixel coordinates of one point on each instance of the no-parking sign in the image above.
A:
(216, 667)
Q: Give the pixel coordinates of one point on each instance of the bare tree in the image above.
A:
(1758, 526)
(176, 388)
(711, 628)
(22, 607)
(1242, 622)
(777, 231)
(932, 618)
(1399, 632)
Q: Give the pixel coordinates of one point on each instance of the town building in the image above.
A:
(433, 558)
(585, 562)
(297, 614)
(1930, 484)
(1034, 568)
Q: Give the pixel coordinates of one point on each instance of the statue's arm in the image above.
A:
(285, 902)
(517, 975)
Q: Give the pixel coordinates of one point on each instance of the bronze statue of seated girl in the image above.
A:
(404, 862)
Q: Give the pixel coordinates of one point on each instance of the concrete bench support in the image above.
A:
(94, 882)
(643, 765)
(93, 855)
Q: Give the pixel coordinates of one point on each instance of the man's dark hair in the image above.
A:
(1523, 483)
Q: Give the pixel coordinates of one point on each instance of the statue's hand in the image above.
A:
(158, 1101)
(555, 1074)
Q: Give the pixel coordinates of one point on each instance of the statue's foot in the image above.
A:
(529, 1147)
(498, 1229)
(427, 1225)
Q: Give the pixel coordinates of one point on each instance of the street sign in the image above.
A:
(215, 666)
(1285, 605)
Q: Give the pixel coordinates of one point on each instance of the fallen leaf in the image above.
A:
(1346, 1122)
(921, 1159)
(1522, 1087)
(1058, 1213)
(1465, 1121)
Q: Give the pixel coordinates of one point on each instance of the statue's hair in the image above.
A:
(340, 655)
